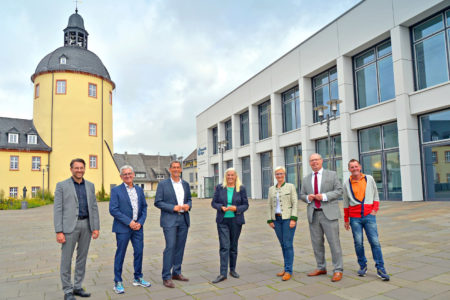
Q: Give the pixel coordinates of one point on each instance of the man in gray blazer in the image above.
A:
(321, 190)
(76, 219)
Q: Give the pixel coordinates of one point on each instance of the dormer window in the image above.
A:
(32, 139)
(62, 60)
(159, 177)
(13, 138)
(140, 174)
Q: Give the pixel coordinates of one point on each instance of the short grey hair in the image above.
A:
(174, 162)
(279, 168)
(125, 168)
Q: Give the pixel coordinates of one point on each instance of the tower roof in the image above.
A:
(75, 20)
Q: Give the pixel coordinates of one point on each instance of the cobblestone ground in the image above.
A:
(415, 239)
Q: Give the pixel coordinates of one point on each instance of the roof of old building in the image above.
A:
(24, 128)
(151, 165)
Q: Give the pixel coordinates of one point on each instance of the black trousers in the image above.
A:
(229, 232)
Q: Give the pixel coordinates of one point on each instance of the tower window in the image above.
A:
(36, 91)
(32, 139)
(60, 87)
(62, 60)
(92, 90)
(92, 129)
(93, 161)
(13, 138)
(110, 98)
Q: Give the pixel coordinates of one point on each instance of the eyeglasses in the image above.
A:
(127, 174)
(279, 174)
(315, 159)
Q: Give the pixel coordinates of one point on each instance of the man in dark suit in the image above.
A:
(76, 220)
(321, 190)
(173, 198)
(129, 209)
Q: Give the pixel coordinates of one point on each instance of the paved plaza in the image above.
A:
(415, 239)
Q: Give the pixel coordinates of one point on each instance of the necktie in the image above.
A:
(316, 190)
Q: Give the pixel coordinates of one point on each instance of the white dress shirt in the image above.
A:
(179, 191)
(319, 182)
(133, 199)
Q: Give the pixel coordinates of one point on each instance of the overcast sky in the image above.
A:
(170, 59)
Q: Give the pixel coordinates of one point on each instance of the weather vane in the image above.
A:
(76, 5)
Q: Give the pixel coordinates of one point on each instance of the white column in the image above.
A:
(349, 137)
(306, 114)
(255, 161)
(277, 129)
(236, 140)
(220, 137)
(408, 131)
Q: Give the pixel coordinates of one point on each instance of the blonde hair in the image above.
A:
(238, 181)
(279, 168)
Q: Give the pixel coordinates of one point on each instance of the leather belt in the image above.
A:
(318, 209)
(277, 215)
(82, 218)
(180, 213)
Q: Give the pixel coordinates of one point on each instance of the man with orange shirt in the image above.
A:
(361, 203)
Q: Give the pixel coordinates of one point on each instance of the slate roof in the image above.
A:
(152, 165)
(192, 156)
(23, 127)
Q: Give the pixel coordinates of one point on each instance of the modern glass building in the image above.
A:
(393, 80)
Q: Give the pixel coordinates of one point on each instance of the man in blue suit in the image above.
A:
(173, 198)
(129, 209)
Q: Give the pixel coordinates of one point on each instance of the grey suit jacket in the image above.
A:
(331, 186)
(65, 209)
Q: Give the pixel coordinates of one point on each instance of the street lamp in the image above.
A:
(333, 103)
(43, 179)
(222, 146)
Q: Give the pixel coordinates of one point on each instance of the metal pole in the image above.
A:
(330, 151)
(43, 179)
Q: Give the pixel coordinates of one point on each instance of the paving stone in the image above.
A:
(407, 293)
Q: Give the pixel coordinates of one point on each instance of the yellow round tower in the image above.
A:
(72, 109)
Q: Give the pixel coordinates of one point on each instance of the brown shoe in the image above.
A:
(179, 277)
(168, 283)
(317, 272)
(336, 276)
(286, 276)
(281, 273)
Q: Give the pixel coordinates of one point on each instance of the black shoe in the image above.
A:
(81, 293)
(219, 279)
(234, 274)
(69, 296)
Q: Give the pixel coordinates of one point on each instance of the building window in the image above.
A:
(13, 163)
(216, 174)
(374, 75)
(110, 98)
(92, 129)
(266, 173)
(13, 138)
(36, 91)
(92, 90)
(214, 140)
(140, 174)
(380, 158)
(191, 177)
(245, 129)
(159, 177)
(247, 175)
(61, 87)
(36, 163)
(325, 88)
(336, 160)
(265, 120)
(293, 164)
(32, 139)
(291, 109)
(228, 135)
(93, 161)
(62, 60)
(447, 156)
(35, 191)
(13, 192)
(228, 164)
(435, 144)
(431, 49)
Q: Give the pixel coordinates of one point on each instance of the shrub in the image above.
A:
(48, 197)
(194, 194)
(102, 195)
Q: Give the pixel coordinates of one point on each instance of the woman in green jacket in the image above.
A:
(282, 212)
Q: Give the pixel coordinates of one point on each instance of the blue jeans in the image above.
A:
(369, 224)
(137, 240)
(285, 236)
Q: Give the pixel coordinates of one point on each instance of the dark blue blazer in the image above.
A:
(239, 200)
(166, 199)
(122, 211)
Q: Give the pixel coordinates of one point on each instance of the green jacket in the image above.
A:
(288, 202)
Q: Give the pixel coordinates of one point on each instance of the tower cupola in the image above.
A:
(75, 34)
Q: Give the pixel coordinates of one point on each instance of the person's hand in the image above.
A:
(232, 208)
(319, 197)
(137, 226)
(132, 224)
(271, 224)
(347, 226)
(292, 224)
(177, 208)
(311, 197)
(224, 208)
(60, 238)
(95, 234)
(373, 212)
(185, 207)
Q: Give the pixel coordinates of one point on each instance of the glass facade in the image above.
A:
(325, 88)
(266, 173)
(374, 75)
(293, 165)
(435, 140)
(379, 157)
(245, 129)
(216, 174)
(336, 159)
(265, 120)
(431, 40)
(214, 139)
(228, 135)
(228, 164)
(246, 175)
(291, 109)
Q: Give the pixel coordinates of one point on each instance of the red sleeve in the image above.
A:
(376, 205)
(346, 214)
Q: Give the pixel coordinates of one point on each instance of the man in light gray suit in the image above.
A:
(321, 190)
(76, 220)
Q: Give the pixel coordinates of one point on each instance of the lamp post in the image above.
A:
(222, 145)
(43, 179)
(333, 103)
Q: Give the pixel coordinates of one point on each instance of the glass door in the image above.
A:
(372, 165)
